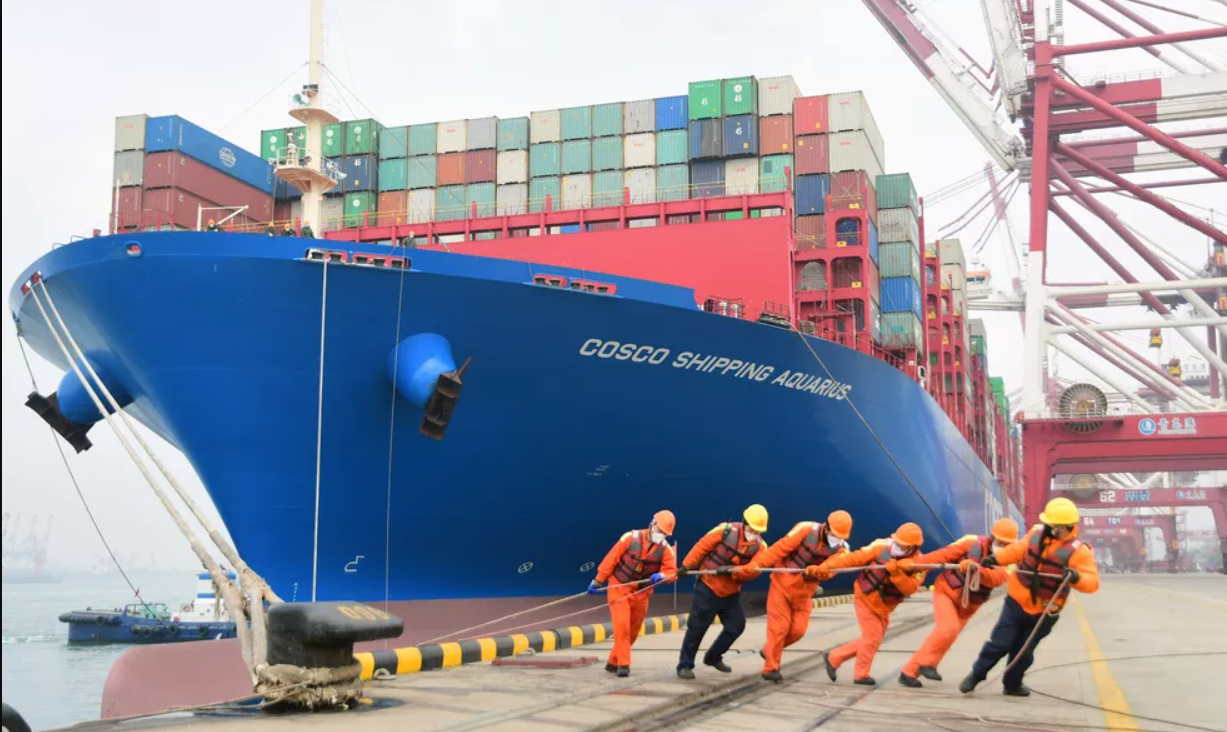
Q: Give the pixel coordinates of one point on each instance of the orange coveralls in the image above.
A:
(949, 615)
(1083, 560)
(872, 609)
(628, 606)
(790, 600)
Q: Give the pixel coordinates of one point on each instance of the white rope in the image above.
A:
(387, 535)
(319, 439)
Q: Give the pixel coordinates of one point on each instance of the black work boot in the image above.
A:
(909, 681)
(611, 668)
(929, 673)
(685, 673)
(867, 681)
(775, 676)
(831, 670)
(968, 684)
(720, 666)
(1020, 690)
(624, 671)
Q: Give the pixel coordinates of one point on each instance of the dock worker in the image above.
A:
(729, 545)
(287, 230)
(790, 599)
(639, 561)
(306, 232)
(949, 614)
(876, 593)
(212, 226)
(1051, 548)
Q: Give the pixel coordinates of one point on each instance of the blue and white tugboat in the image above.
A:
(154, 622)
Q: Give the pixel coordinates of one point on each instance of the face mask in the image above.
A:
(658, 537)
(833, 541)
(998, 546)
(751, 535)
(897, 551)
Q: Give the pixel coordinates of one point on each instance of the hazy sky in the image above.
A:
(71, 67)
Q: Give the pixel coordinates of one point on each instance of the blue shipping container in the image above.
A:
(173, 133)
(283, 191)
(361, 173)
(740, 136)
(812, 192)
(672, 113)
(901, 295)
(705, 137)
(707, 178)
(848, 233)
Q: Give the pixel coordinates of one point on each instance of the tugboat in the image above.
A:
(154, 622)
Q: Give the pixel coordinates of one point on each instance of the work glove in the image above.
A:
(989, 561)
(682, 571)
(1073, 575)
(656, 578)
(906, 565)
(816, 572)
(892, 567)
(724, 571)
(594, 587)
(966, 564)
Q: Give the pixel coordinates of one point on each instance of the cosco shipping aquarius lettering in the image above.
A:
(511, 328)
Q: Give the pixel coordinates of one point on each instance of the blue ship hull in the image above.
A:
(553, 450)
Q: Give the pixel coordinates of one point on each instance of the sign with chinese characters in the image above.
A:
(1191, 494)
(1168, 426)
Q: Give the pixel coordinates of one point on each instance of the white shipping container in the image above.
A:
(545, 126)
(639, 151)
(577, 191)
(129, 168)
(512, 167)
(639, 116)
(482, 134)
(741, 176)
(130, 132)
(951, 252)
(512, 199)
(854, 151)
(954, 277)
(641, 223)
(975, 327)
(642, 185)
(421, 202)
(451, 136)
(850, 111)
(775, 95)
(898, 224)
(334, 209)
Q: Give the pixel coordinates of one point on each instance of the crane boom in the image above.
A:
(1009, 55)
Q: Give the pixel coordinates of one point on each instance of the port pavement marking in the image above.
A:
(1111, 696)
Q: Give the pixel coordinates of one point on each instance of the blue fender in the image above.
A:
(415, 364)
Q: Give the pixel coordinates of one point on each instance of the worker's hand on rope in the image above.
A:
(1072, 575)
(656, 578)
(966, 565)
(594, 587)
(990, 561)
(892, 567)
(724, 571)
(906, 565)
(682, 571)
(816, 572)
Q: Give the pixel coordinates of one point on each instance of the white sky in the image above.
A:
(69, 68)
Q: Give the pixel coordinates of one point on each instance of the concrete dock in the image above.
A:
(1152, 648)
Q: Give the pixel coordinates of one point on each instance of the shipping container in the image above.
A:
(607, 153)
(273, 144)
(512, 199)
(812, 191)
(361, 173)
(673, 182)
(176, 170)
(899, 224)
(740, 137)
(482, 134)
(480, 166)
(852, 151)
(672, 113)
(853, 273)
(283, 190)
(854, 189)
(513, 134)
(393, 175)
(165, 134)
(512, 167)
(333, 210)
(707, 179)
(639, 151)
(811, 233)
(360, 207)
(333, 146)
(423, 139)
(901, 295)
(450, 203)
(704, 100)
(706, 137)
(129, 168)
(951, 252)
(175, 207)
(299, 135)
(849, 111)
(776, 95)
(451, 137)
(809, 115)
(577, 191)
(607, 119)
(607, 188)
(576, 157)
(671, 147)
(576, 123)
(640, 116)
(902, 330)
(813, 154)
(362, 137)
(641, 184)
(895, 190)
(775, 134)
(127, 212)
(740, 177)
(543, 192)
(874, 243)
(545, 126)
(544, 159)
(740, 96)
(393, 143)
(393, 207)
(421, 204)
(772, 170)
(449, 169)
(480, 197)
(423, 172)
(899, 259)
(130, 132)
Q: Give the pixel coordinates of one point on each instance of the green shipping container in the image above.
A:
(977, 345)
(704, 100)
(771, 172)
(422, 173)
(895, 190)
(576, 123)
(543, 160)
(449, 203)
(673, 182)
(481, 194)
(300, 136)
(423, 138)
(734, 216)
(357, 206)
(271, 144)
(997, 384)
(671, 147)
(334, 141)
(394, 143)
(513, 133)
(607, 119)
(607, 153)
(899, 259)
(393, 175)
(902, 330)
(361, 137)
(576, 157)
(607, 187)
(539, 189)
(741, 96)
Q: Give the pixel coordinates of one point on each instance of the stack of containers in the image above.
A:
(511, 174)
(811, 153)
(481, 166)
(638, 159)
(608, 123)
(899, 249)
(544, 163)
(451, 144)
(422, 175)
(955, 340)
(393, 203)
(776, 97)
(670, 123)
(575, 158)
(360, 187)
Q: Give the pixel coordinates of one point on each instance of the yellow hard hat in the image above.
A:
(1060, 512)
(756, 517)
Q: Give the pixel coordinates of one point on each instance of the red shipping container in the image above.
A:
(179, 208)
(854, 187)
(848, 272)
(393, 208)
(775, 135)
(127, 213)
(604, 226)
(175, 170)
(813, 154)
(811, 232)
(479, 166)
(810, 115)
(450, 171)
(283, 210)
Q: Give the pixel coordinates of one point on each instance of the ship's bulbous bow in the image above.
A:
(75, 402)
(416, 364)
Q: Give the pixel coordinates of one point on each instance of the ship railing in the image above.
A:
(297, 157)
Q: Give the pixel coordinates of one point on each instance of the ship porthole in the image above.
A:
(587, 566)
(525, 567)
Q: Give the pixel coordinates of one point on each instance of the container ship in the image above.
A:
(517, 338)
